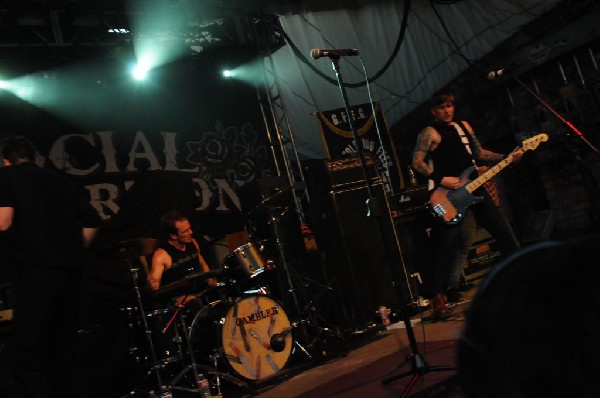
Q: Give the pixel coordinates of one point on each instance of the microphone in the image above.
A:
(317, 53)
(496, 73)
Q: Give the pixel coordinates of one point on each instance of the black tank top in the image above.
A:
(450, 158)
(183, 262)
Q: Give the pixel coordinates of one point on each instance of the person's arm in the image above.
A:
(160, 260)
(481, 154)
(88, 235)
(7, 203)
(427, 141)
(6, 217)
(204, 264)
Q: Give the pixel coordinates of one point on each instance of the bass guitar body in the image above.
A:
(451, 205)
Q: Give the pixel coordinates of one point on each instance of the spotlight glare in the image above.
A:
(227, 73)
(140, 71)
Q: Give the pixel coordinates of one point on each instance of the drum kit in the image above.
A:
(235, 331)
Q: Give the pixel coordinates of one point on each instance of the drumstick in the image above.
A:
(272, 363)
(271, 325)
(233, 325)
(256, 306)
(170, 321)
(242, 358)
(244, 337)
(257, 337)
(258, 367)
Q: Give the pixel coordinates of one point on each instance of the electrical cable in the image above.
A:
(395, 51)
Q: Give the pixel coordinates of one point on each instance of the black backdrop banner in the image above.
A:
(339, 141)
(187, 138)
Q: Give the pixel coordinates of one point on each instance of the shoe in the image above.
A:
(454, 296)
(440, 309)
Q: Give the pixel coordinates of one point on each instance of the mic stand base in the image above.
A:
(419, 367)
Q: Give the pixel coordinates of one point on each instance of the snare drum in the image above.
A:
(252, 335)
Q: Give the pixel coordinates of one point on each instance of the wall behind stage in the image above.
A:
(90, 120)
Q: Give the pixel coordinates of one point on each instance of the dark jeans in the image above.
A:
(456, 241)
(44, 333)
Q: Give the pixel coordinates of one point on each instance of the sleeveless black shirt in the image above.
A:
(450, 158)
(182, 263)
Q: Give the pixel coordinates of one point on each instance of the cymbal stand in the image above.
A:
(147, 331)
(274, 221)
(198, 369)
(192, 364)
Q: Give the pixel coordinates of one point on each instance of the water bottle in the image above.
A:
(203, 386)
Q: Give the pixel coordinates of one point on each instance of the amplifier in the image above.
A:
(348, 171)
(411, 200)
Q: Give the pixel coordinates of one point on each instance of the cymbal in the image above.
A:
(270, 198)
(203, 275)
(138, 246)
(187, 281)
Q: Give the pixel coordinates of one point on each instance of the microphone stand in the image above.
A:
(372, 207)
(582, 169)
(419, 366)
(371, 202)
(558, 115)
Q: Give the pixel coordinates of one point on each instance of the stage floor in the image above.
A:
(364, 363)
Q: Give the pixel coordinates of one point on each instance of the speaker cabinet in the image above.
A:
(360, 254)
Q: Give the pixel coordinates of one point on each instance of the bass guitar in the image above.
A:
(451, 205)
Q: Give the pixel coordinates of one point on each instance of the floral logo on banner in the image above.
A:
(229, 154)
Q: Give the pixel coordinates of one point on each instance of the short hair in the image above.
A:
(441, 97)
(167, 223)
(17, 148)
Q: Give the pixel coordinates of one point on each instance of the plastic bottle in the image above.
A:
(203, 386)
(384, 313)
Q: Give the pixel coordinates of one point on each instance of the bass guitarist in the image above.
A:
(452, 148)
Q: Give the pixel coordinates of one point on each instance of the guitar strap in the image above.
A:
(489, 185)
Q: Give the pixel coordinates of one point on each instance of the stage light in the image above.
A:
(228, 73)
(139, 72)
(141, 69)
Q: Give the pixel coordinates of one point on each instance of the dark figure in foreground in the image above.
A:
(453, 148)
(50, 222)
(533, 327)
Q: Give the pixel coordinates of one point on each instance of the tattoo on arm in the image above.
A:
(421, 150)
(489, 156)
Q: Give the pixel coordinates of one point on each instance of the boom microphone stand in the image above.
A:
(555, 113)
(419, 366)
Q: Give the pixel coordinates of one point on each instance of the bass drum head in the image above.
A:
(256, 337)
(253, 333)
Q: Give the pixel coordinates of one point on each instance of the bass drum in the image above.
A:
(253, 335)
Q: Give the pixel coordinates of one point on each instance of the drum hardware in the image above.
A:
(265, 201)
(134, 275)
(274, 222)
(192, 366)
(185, 283)
(254, 336)
(248, 270)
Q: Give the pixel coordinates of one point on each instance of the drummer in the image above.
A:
(177, 256)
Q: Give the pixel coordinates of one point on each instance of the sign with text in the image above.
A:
(371, 130)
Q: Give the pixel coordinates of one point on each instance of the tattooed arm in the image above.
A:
(481, 154)
(427, 141)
